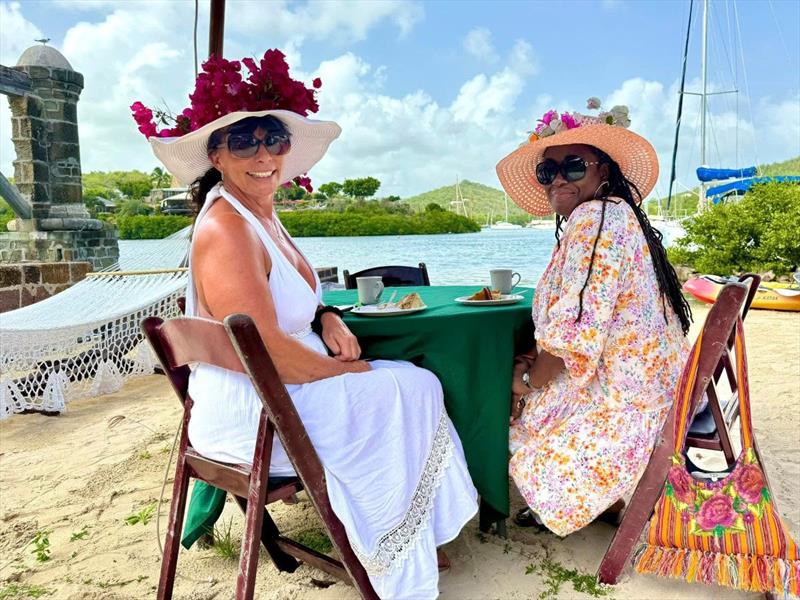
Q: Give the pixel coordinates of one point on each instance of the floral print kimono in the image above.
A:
(584, 439)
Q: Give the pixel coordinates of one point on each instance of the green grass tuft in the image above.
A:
(143, 516)
(315, 538)
(23, 590)
(224, 545)
(555, 574)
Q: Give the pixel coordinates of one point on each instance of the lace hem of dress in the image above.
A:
(394, 546)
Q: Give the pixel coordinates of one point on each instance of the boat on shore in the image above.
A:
(769, 296)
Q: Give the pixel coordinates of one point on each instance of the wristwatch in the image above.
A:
(526, 379)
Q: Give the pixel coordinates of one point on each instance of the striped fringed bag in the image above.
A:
(726, 531)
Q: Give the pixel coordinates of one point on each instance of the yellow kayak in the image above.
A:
(770, 296)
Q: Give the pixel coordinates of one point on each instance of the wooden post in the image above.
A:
(216, 28)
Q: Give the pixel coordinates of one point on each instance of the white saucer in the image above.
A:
(372, 310)
(503, 299)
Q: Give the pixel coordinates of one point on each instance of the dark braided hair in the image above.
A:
(668, 285)
(202, 185)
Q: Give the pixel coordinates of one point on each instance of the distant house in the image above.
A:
(158, 194)
(108, 206)
(176, 205)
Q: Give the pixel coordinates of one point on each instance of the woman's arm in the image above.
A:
(230, 270)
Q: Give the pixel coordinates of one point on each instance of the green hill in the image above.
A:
(481, 202)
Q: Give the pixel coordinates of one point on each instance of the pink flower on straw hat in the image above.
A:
(593, 103)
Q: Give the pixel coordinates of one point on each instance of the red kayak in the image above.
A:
(771, 296)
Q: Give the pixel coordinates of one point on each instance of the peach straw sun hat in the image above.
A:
(607, 131)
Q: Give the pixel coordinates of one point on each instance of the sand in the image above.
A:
(87, 471)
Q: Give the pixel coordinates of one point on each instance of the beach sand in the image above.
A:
(86, 471)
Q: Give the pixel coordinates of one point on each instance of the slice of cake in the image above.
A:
(486, 294)
(412, 300)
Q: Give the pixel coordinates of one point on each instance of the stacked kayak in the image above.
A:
(772, 296)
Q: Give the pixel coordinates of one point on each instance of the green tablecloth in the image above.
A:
(469, 348)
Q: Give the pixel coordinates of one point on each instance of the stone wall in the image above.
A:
(22, 284)
(44, 129)
(96, 246)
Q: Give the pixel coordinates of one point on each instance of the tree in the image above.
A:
(433, 207)
(393, 198)
(331, 189)
(160, 178)
(361, 188)
(133, 184)
(133, 207)
(295, 192)
(755, 234)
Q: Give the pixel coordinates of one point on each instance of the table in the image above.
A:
(470, 349)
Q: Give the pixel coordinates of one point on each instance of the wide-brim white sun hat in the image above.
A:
(635, 156)
(186, 157)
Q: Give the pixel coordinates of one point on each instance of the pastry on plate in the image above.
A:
(486, 294)
(411, 300)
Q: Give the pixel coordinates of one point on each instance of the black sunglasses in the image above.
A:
(245, 145)
(572, 168)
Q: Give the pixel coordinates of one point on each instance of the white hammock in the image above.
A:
(86, 340)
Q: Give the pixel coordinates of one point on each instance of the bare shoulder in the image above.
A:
(224, 230)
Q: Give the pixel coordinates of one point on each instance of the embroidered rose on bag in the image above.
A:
(717, 510)
(749, 482)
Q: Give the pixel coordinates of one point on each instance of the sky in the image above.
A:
(429, 91)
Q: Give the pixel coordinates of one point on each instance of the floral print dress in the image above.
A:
(584, 439)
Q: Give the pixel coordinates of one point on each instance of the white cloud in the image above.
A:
(17, 33)
(342, 21)
(478, 43)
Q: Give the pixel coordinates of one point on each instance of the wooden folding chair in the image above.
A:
(392, 276)
(717, 331)
(711, 427)
(236, 345)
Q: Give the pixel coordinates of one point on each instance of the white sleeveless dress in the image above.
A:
(394, 466)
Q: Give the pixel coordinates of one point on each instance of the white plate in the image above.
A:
(503, 299)
(372, 310)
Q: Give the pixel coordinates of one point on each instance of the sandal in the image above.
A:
(442, 561)
(526, 518)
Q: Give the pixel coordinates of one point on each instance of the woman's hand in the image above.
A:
(339, 339)
(518, 389)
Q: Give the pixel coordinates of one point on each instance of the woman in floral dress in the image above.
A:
(609, 315)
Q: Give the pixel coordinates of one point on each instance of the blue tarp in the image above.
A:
(709, 174)
(718, 192)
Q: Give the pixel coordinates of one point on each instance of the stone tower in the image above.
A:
(55, 225)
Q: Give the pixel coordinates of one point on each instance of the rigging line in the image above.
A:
(746, 84)
(780, 34)
(735, 80)
(723, 43)
(680, 104)
(196, 10)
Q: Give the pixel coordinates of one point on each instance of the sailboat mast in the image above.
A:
(704, 104)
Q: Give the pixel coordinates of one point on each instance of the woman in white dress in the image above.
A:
(395, 470)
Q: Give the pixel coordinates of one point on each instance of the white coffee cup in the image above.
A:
(503, 280)
(369, 289)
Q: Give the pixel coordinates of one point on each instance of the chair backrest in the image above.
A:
(237, 345)
(392, 276)
(718, 329)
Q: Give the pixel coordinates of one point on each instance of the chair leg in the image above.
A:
(248, 563)
(722, 426)
(269, 532)
(637, 513)
(169, 561)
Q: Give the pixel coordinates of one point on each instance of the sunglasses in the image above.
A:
(572, 168)
(245, 145)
